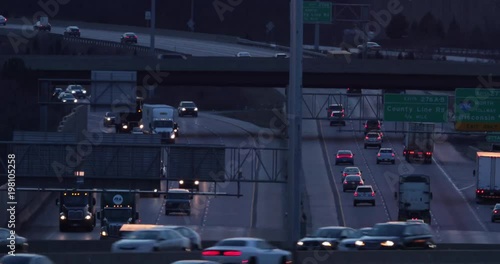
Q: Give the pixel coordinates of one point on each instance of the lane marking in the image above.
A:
(461, 194)
(467, 187)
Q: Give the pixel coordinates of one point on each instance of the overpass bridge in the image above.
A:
(273, 72)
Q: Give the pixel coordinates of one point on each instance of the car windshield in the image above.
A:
(163, 123)
(353, 178)
(68, 96)
(387, 230)
(344, 153)
(386, 151)
(143, 234)
(74, 29)
(179, 196)
(110, 115)
(372, 122)
(364, 189)
(336, 107)
(232, 243)
(372, 135)
(188, 105)
(497, 206)
(130, 35)
(79, 200)
(351, 170)
(330, 233)
(118, 214)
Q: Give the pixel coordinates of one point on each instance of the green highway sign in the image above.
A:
(416, 108)
(493, 138)
(477, 105)
(317, 12)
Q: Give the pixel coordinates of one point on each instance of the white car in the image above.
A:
(25, 258)
(246, 250)
(152, 240)
(243, 54)
(3, 21)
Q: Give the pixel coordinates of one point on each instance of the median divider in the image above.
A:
(472, 152)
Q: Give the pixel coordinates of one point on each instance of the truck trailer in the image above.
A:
(76, 209)
(117, 208)
(487, 173)
(159, 119)
(414, 198)
(419, 143)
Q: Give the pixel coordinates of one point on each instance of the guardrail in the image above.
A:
(277, 47)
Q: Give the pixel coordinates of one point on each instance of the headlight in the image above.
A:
(103, 233)
(75, 100)
(64, 100)
(73, 92)
(155, 190)
(88, 217)
(181, 182)
(326, 244)
(172, 136)
(141, 126)
(300, 243)
(62, 217)
(359, 243)
(108, 118)
(84, 91)
(387, 243)
(196, 109)
(183, 109)
(196, 182)
(125, 126)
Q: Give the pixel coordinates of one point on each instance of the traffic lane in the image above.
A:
(182, 45)
(355, 217)
(459, 170)
(449, 210)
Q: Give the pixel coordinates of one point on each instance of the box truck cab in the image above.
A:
(76, 209)
(159, 119)
(117, 208)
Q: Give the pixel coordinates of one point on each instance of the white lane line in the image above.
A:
(467, 187)
(461, 194)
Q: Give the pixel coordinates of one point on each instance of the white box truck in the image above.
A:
(159, 119)
(487, 175)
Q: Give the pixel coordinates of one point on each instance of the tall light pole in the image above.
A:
(294, 108)
(153, 26)
(316, 35)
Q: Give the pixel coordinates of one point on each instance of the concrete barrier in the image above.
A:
(318, 257)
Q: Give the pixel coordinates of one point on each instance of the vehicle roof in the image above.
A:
(29, 255)
(334, 227)
(497, 205)
(129, 33)
(184, 102)
(178, 191)
(351, 168)
(72, 27)
(488, 154)
(344, 150)
(335, 104)
(243, 238)
(399, 223)
(385, 149)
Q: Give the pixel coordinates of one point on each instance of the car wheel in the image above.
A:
(167, 212)
(195, 115)
(393, 161)
(253, 260)
(378, 162)
(343, 190)
(373, 203)
(188, 213)
(365, 146)
(354, 203)
(493, 220)
(331, 123)
(283, 260)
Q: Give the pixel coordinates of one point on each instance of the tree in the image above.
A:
(427, 26)
(476, 39)
(398, 27)
(453, 34)
(439, 29)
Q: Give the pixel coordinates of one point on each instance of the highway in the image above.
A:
(258, 213)
(183, 45)
(455, 215)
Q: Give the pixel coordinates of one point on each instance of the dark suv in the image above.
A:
(398, 235)
(326, 238)
(372, 124)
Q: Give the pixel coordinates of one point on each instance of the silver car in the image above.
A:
(386, 155)
(152, 240)
(364, 194)
(373, 139)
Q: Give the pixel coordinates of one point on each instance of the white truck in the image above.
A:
(487, 175)
(414, 198)
(159, 119)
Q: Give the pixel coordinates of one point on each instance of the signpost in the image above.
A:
(477, 109)
(317, 12)
(416, 108)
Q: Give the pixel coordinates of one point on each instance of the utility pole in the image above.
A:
(294, 99)
(153, 26)
(316, 35)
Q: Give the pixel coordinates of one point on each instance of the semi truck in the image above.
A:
(128, 116)
(414, 197)
(487, 173)
(159, 119)
(117, 208)
(76, 209)
(419, 143)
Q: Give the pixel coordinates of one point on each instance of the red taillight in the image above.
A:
(373, 193)
(392, 154)
(479, 191)
(345, 182)
(361, 182)
(338, 157)
(378, 155)
(366, 137)
(428, 153)
(366, 126)
(355, 193)
(379, 138)
(412, 152)
(495, 212)
(211, 253)
(350, 156)
(345, 174)
(232, 253)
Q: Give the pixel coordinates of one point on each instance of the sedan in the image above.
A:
(25, 259)
(68, 98)
(495, 214)
(352, 182)
(344, 156)
(128, 37)
(246, 250)
(109, 119)
(370, 46)
(6, 236)
(326, 238)
(189, 234)
(3, 21)
(350, 171)
(77, 90)
(72, 31)
(386, 155)
(349, 243)
(151, 240)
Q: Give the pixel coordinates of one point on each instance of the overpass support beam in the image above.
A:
(294, 100)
